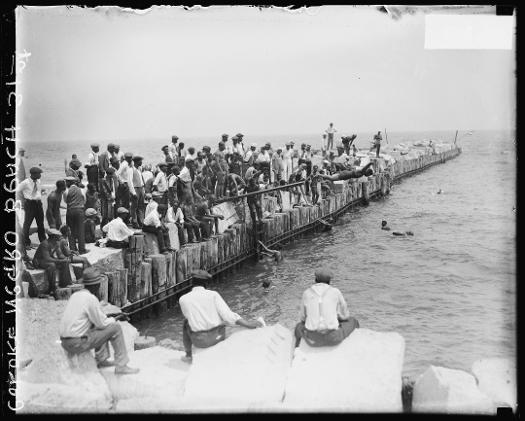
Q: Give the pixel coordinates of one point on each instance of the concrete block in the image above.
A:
(445, 390)
(496, 378)
(361, 374)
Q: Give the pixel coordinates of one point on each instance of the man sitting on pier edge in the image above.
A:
(325, 319)
(206, 314)
(84, 326)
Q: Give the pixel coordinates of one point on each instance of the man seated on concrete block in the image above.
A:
(325, 319)
(206, 314)
(118, 232)
(49, 258)
(84, 326)
(154, 224)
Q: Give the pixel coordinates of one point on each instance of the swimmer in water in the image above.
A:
(384, 226)
(440, 191)
(402, 234)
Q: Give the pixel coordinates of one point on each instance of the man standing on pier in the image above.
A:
(92, 165)
(206, 314)
(30, 189)
(325, 319)
(137, 201)
(330, 132)
(377, 143)
(125, 187)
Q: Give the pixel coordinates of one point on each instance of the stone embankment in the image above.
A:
(251, 371)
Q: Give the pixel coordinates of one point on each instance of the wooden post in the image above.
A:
(123, 286)
(456, 138)
(113, 288)
(145, 280)
(158, 272)
(386, 136)
(103, 289)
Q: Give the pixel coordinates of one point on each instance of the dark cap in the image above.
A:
(162, 164)
(164, 147)
(174, 137)
(239, 135)
(224, 135)
(323, 275)
(35, 170)
(110, 170)
(128, 155)
(137, 158)
(200, 274)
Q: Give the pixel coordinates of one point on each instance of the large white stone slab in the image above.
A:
(161, 379)
(246, 371)
(445, 390)
(497, 379)
(226, 209)
(361, 374)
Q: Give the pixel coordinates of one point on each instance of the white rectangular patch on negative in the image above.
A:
(469, 32)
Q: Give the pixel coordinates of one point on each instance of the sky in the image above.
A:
(106, 73)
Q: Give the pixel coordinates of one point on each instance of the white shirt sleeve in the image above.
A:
(224, 311)
(96, 315)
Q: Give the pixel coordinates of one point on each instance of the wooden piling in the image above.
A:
(158, 272)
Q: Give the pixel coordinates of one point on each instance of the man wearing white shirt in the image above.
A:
(172, 148)
(124, 177)
(206, 314)
(154, 225)
(92, 165)
(117, 231)
(176, 216)
(137, 201)
(330, 132)
(84, 326)
(324, 317)
(30, 189)
(161, 182)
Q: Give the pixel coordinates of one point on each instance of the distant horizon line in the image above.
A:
(296, 135)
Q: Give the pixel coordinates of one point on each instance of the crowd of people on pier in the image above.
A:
(118, 192)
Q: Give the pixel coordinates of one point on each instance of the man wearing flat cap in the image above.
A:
(137, 201)
(125, 182)
(48, 257)
(104, 160)
(249, 157)
(53, 217)
(31, 193)
(206, 314)
(325, 319)
(92, 165)
(75, 215)
(107, 193)
(84, 326)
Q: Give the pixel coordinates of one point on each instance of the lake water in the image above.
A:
(450, 290)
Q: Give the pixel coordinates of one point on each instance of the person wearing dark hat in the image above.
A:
(47, 257)
(137, 201)
(160, 183)
(31, 194)
(180, 154)
(191, 223)
(221, 169)
(107, 194)
(237, 146)
(53, 217)
(125, 187)
(92, 165)
(117, 231)
(74, 168)
(325, 319)
(347, 174)
(173, 185)
(92, 198)
(104, 160)
(206, 315)
(173, 146)
(75, 202)
(277, 165)
(167, 157)
(90, 224)
(249, 156)
(154, 224)
(84, 326)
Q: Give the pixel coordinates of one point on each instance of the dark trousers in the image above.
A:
(33, 210)
(219, 187)
(75, 221)
(180, 232)
(255, 209)
(92, 175)
(138, 207)
(163, 236)
(327, 338)
(123, 196)
(98, 339)
(106, 210)
(205, 226)
(330, 141)
(117, 244)
(202, 339)
(51, 268)
(192, 227)
(377, 150)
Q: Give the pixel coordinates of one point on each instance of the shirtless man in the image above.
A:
(346, 175)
